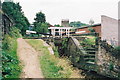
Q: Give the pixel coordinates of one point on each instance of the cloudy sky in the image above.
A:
(74, 10)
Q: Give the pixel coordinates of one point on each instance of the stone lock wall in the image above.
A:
(107, 64)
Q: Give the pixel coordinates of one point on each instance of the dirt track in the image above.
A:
(29, 59)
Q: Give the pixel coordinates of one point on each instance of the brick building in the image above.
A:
(84, 30)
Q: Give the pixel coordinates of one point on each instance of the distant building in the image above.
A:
(65, 22)
(31, 27)
(110, 30)
(84, 30)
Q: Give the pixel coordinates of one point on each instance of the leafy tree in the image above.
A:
(40, 25)
(57, 25)
(42, 28)
(40, 17)
(91, 29)
(91, 22)
(14, 11)
(77, 24)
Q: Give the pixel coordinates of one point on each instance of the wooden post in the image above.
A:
(68, 33)
(59, 32)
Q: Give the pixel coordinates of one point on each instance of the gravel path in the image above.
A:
(29, 59)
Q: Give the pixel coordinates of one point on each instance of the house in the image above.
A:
(86, 29)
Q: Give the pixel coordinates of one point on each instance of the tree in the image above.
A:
(40, 17)
(77, 24)
(40, 25)
(91, 29)
(42, 28)
(14, 11)
(57, 25)
(91, 22)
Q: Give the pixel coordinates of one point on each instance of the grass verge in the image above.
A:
(52, 66)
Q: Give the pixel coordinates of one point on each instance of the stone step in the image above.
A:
(90, 62)
(89, 55)
(88, 58)
(90, 52)
(91, 49)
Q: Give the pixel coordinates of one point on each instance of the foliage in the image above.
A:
(111, 67)
(77, 24)
(57, 25)
(10, 62)
(40, 17)
(40, 25)
(91, 22)
(56, 52)
(91, 29)
(88, 42)
(117, 50)
(52, 67)
(14, 11)
(64, 46)
(15, 32)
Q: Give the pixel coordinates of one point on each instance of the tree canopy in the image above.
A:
(14, 11)
(40, 17)
(40, 24)
(77, 24)
(91, 22)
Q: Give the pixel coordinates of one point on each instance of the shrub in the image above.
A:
(91, 30)
(56, 52)
(117, 50)
(88, 42)
(15, 32)
(10, 62)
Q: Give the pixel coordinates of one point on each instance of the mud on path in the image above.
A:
(29, 59)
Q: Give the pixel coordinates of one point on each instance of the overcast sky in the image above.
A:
(74, 10)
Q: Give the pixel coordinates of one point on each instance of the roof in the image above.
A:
(90, 26)
(60, 28)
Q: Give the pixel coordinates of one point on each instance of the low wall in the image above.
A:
(76, 54)
(105, 62)
(108, 64)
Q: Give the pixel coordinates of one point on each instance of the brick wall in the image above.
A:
(86, 30)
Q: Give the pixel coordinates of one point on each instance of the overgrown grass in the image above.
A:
(10, 62)
(52, 66)
(88, 42)
(55, 49)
